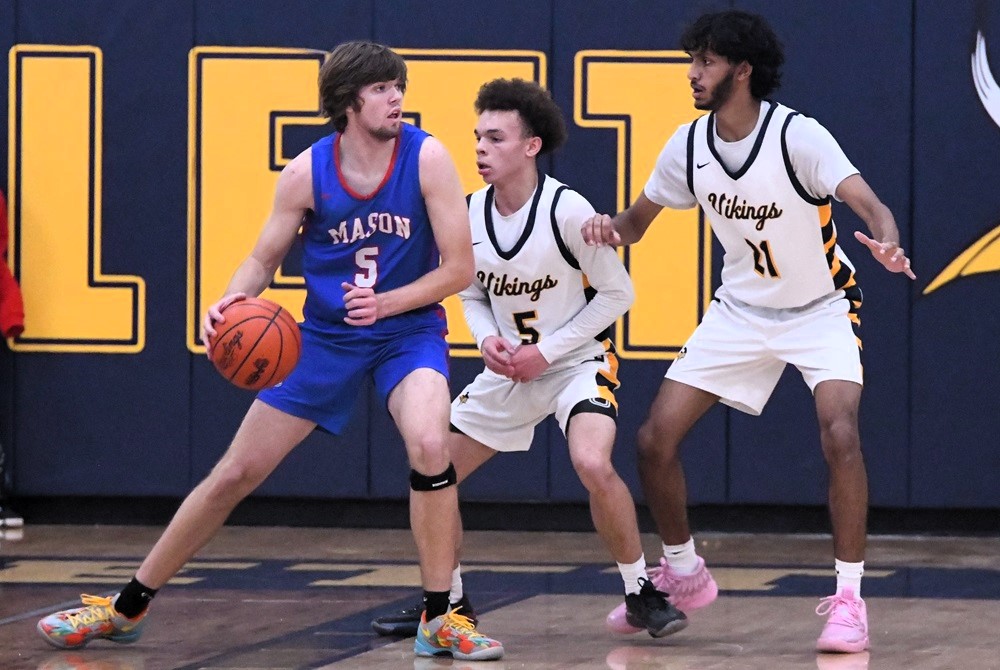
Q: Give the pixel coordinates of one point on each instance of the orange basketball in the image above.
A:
(258, 345)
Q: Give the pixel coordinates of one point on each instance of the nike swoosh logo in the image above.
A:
(703, 165)
(475, 243)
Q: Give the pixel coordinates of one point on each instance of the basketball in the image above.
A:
(258, 345)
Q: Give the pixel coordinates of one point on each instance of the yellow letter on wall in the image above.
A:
(241, 99)
(645, 95)
(55, 207)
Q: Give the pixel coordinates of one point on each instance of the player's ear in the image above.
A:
(534, 146)
(744, 70)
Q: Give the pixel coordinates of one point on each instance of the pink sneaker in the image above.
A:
(846, 629)
(687, 592)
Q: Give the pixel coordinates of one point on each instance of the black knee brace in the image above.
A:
(419, 482)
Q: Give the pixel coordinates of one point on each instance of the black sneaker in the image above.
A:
(651, 610)
(404, 623)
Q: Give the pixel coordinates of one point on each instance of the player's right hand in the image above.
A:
(598, 231)
(889, 254)
(496, 354)
(214, 316)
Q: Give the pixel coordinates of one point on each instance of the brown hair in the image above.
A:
(350, 67)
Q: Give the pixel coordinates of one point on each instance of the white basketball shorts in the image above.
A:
(502, 414)
(739, 351)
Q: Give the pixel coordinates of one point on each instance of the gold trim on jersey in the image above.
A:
(607, 379)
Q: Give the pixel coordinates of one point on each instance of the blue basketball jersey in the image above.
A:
(382, 240)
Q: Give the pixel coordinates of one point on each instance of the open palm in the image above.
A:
(888, 254)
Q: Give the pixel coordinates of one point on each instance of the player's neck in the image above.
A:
(736, 119)
(365, 154)
(512, 193)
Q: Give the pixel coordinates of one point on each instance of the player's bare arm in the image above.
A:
(449, 217)
(858, 195)
(292, 198)
(625, 228)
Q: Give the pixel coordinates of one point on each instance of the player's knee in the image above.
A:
(655, 444)
(231, 481)
(594, 470)
(839, 433)
(645, 440)
(840, 439)
(422, 482)
(428, 454)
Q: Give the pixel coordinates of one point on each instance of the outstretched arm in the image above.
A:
(858, 195)
(625, 228)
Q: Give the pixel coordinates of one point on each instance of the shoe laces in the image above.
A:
(461, 623)
(843, 611)
(675, 584)
(97, 608)
(651, 596)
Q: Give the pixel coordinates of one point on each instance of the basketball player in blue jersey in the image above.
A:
(541, 308)
(764, 175)
(386, 237)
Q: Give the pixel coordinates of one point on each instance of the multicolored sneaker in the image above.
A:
(404, 622)
(454, 635)
(685, 592)
(72, 629)
(650, 610)
(846, 628)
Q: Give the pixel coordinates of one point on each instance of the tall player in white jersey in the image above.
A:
(764, 175)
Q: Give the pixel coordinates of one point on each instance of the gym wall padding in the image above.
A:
(891, 79)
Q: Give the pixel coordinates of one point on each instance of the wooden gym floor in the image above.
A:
(268, 598)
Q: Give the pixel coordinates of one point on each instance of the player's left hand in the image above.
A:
(888, 254)
(361, 305)
(528, 363)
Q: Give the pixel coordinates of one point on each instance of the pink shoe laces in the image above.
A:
(843, 611)
(680, 586)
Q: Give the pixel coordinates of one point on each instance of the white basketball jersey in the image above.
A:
(536, 286)
(780, 242)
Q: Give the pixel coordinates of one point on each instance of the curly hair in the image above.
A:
(349, 68)
(740, 36)
(539, 113)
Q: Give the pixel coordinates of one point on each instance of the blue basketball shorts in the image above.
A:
(324, 385)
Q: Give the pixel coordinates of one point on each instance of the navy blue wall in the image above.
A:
(891, 79)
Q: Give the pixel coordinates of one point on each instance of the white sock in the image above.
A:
(632, 572)
(456, 585)
(681, 558)
(849, 576)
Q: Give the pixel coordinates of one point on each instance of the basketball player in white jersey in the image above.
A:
(764, 175)
(540, 308)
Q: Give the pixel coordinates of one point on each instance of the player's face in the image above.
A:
(711, 78)
(380, 109)
(502, 148)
